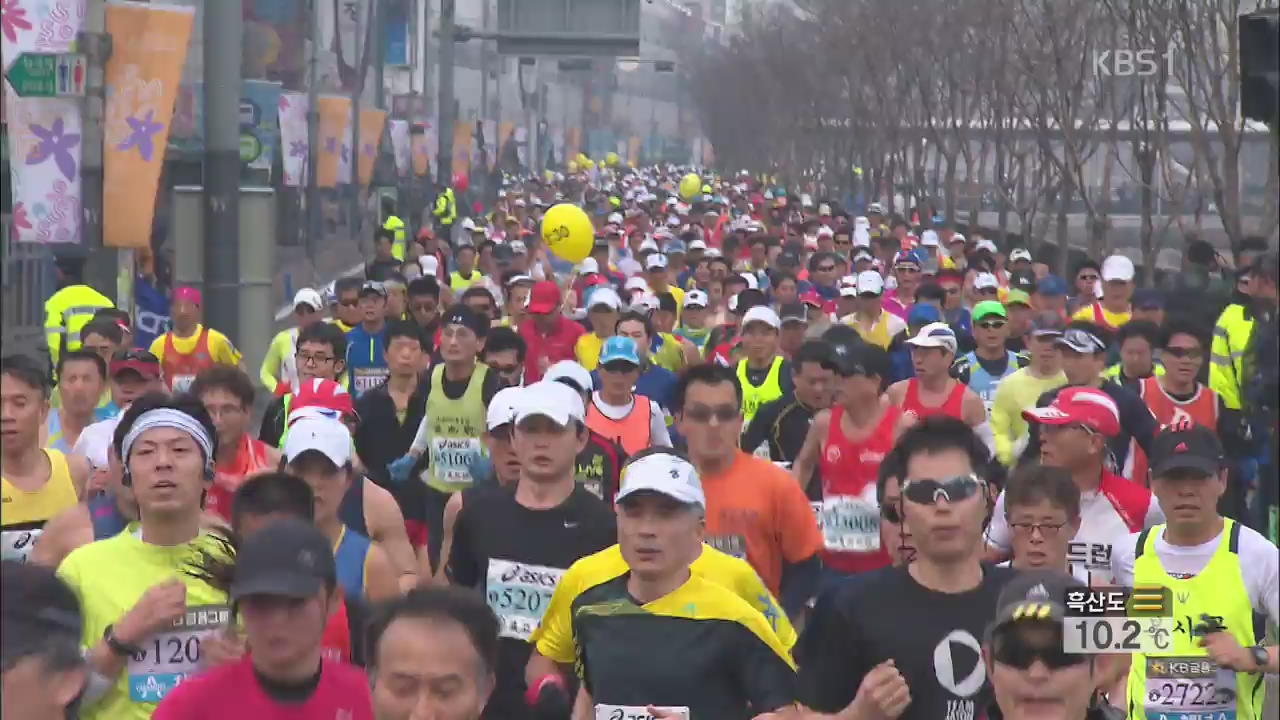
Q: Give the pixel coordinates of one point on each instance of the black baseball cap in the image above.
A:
(462, 315)
(373, 287)
(793, 313)
(1186, 447)
(787, 258)
(1024, 280)
(1032, 595)
(289, 558)
(860, 359)
(35, 604)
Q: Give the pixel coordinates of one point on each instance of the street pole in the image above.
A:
(379, 57)
(224, 21)
(103, 269)
(313, 134)
(444, 164)
(355, 214)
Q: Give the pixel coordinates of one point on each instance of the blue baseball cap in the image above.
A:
(619, 348)
(1051, 285)
(1148, 299)
(923, 314)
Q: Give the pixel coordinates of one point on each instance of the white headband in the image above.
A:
(170, 418)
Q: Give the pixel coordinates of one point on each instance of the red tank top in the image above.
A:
(251, 458)
(1201, 409)
(953, 406)
(180, 369)
(849, 469)
(335, 643)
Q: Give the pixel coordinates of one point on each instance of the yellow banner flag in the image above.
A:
(334, 136)
(633, 150)
(371, 122)
(421, 153)
(462, 147)
(149, 48)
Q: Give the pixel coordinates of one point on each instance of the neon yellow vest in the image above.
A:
(1184, 682)
(453, 431)
(754, 396)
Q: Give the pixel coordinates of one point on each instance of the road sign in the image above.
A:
(599, 28)
(47, 75)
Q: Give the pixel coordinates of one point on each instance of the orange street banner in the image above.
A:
(149, 47)
(421, 141)
(633, 150)
(371, 122)
(334, 136)
(462, 147)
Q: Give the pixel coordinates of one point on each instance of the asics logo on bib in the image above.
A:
(520, 573)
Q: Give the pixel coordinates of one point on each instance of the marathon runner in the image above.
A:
(43, 671)
(548, 334)
(763, 374)
(990, 362)
(36, 483)
(513, 544)
(321, 354)
(933, 391)
(504, 352)
(424, 306)
(1042, 512)
(1112, 308)
(1222, 578)
(1074, 435)
(283, 592)
(631, 419)
(82, 378)
(599, 464)
(227, 395)
(874, 324)
(144, 619)
(778, 430)
(366, 343)
(346, 303)
(279, 372)
(656, 380)
(1022, 388)
(603, 306)
(903, 641)
(1135, 343)
(190, 347)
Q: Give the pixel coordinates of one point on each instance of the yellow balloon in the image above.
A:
(573, 166)
(611, 159)
(690, 186)
(568, 233)
(588, 163)
(582, 158)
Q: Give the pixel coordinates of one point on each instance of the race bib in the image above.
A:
(451, 458)
(762, 451)
(1189, 687)
(848, 524)
(17, 544)
(636, 712)
(173, 655)
(182, 383)
(519, 593)
(368, 378)
(734, 545)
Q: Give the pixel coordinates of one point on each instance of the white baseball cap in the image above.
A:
(604, 296)
(875, 208)
(636, 283)
(752, 282)
(825, 231)
(550, 399)
(310, 298)
(1117, 267)
(430, 264)
(870, 281)
(568, 370)
(588, 266)
(985, 280)
(326, 435)
(764, 314)
(647, 303)
(713, 253)
(468, 224)
(656, 261)
(955, 238)
(665, 474)
(937, 334)
(1020, 254)
(929, 238)
(502, 408)
(649, 244)
(615, 218)
(697, 245)
(696, 298)
(985, 244)
(848, 290)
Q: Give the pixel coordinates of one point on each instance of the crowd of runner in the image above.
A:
(751, 456)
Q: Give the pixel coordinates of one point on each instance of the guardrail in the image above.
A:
(26, 280)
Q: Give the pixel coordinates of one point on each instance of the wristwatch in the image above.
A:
(117, 646)
(1260, 656)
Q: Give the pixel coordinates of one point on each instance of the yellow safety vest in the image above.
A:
(1185, 682)
(66, 312)
(754, 396)
(396, 225)
(457, 283)
(1226, 354)
(446, 209)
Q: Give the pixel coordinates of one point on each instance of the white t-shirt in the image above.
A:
(1259, 565)
(94, 442)
(1108, 516)
(658, 434)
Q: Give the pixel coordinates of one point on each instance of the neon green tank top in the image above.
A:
(453, 431)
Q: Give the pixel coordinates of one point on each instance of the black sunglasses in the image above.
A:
(1184, 352)
(1009, 649)
(992, 325)
(927, 491)
(704, 414)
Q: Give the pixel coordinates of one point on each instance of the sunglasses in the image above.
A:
(1009, 649)
(1184, 352)
(992, 325)
(618, 367)
(704, 413)
(927, 491)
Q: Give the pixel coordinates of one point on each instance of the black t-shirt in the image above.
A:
(933, 638)
(380, 270)
(782, 424)
(516, 556)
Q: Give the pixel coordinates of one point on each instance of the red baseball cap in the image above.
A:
(1085, 406)
(324, 394)
(137, 360)
(544, 298)
(188, 293)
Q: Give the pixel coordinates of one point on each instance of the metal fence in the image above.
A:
(26, 280)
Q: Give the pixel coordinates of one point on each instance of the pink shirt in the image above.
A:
(894, 305)
(232, 691)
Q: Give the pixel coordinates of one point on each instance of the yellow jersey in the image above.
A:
(23, 514)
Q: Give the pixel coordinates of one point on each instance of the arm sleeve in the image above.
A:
(554, 635)
(658, 434)
(272, 424)
(1141, 423)
(799, 583)
(998, 528)
(830, 668)
(785, 381)
(273, 360)
(758, 429)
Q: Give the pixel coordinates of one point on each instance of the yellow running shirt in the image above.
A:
(23, 514)
(109, 577)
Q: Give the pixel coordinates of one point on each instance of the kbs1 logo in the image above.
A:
(1126, 62)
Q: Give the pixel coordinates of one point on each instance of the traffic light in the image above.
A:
(1259, 34)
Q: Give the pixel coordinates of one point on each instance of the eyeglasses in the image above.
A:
(1046, 529)
(704, 413)
(992, 325)
(309, 359)
(1188, 353)
(927, 491)
(1009, 649)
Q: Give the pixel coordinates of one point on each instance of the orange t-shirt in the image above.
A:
(756, 511)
